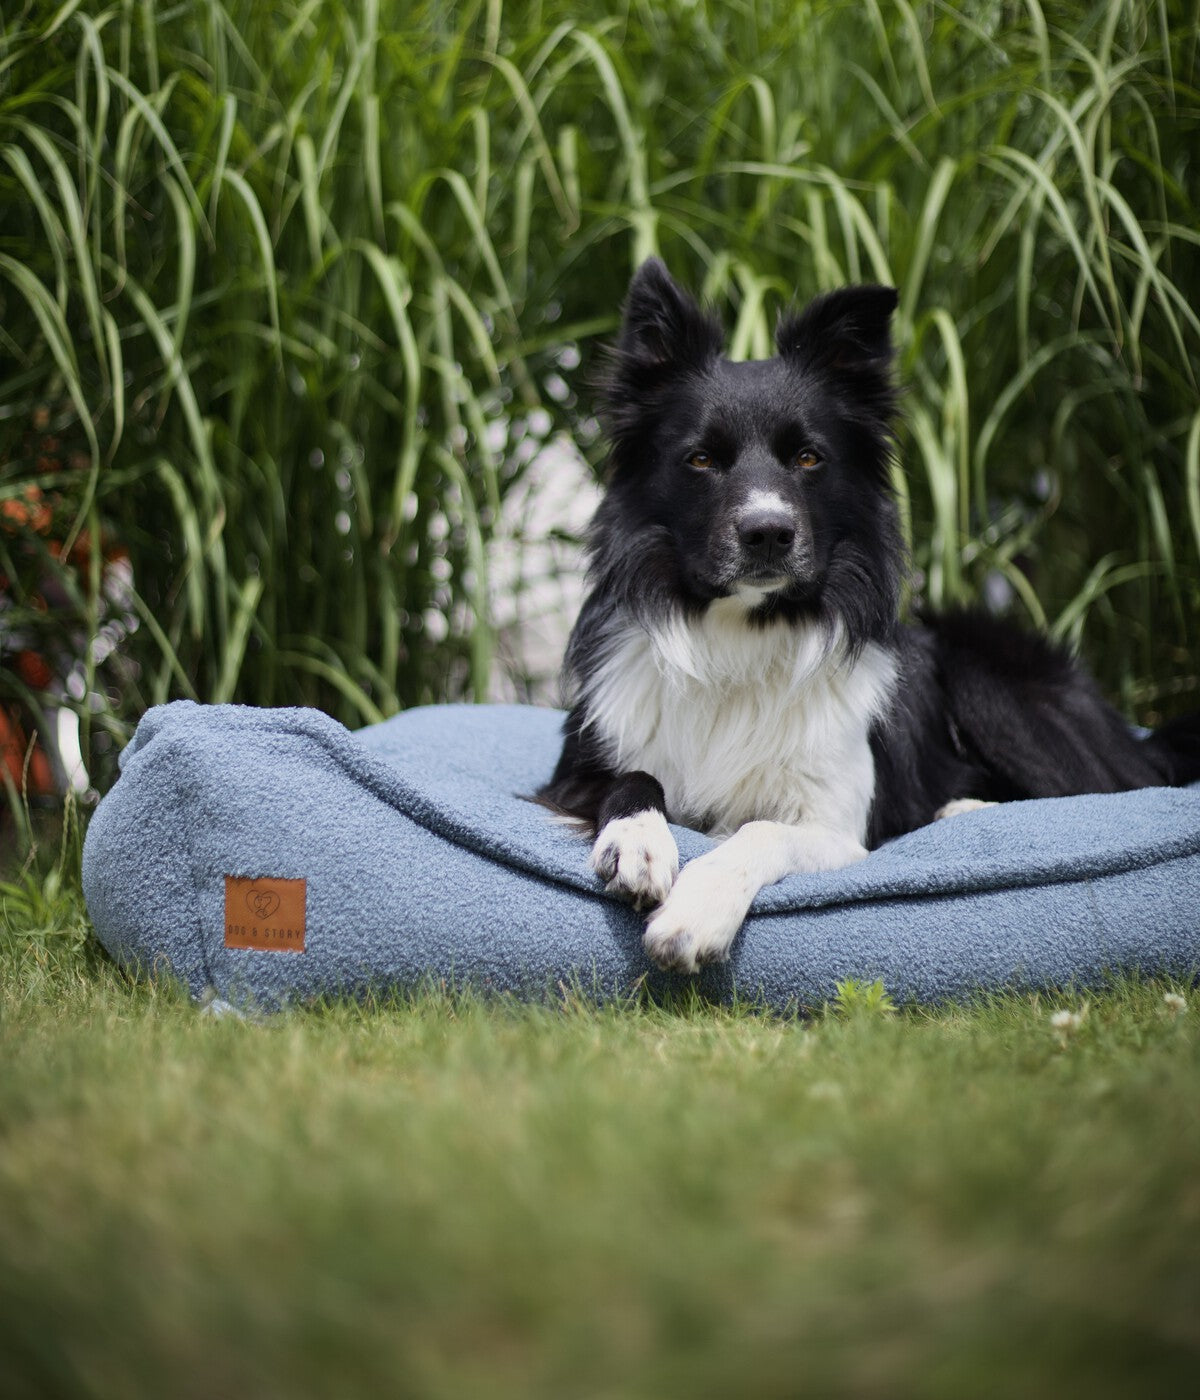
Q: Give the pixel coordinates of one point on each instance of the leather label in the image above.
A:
(265, 913)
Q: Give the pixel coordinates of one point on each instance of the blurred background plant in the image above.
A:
(299, 306)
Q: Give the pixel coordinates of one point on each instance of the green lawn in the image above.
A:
(445, 1197)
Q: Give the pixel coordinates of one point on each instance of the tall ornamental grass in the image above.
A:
(291, 295)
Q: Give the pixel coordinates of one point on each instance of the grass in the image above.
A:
(436, 1195)
(291, 288)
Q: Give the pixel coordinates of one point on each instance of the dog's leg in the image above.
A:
(710, 899)
(635, 853)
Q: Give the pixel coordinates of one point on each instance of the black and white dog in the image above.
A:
(739, 664)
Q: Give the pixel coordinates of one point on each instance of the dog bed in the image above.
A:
(274, 856)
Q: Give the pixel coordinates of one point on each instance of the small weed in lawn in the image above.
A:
(857, 998)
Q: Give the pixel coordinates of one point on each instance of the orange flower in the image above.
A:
(14, 514)
(13, 748)
(33, 670)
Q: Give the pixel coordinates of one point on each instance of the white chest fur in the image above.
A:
(744, 723)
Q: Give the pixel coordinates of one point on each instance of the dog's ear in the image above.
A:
(844, 330)
(663, 327)
(663, 334)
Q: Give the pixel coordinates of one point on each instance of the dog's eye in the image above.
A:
(806, 458)
(701, 460)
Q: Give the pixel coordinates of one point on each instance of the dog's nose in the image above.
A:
(766, 535)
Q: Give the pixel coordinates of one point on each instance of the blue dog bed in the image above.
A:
(272, 855)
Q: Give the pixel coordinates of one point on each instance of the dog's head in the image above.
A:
(766, 480)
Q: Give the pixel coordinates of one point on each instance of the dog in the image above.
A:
(739, 664)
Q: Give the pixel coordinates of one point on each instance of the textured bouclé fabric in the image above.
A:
(421, 859)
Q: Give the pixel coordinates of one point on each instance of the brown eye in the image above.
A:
(701, 460)
(806, 458)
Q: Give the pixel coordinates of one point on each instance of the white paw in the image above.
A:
(701, 916)
(959, 806)
(699, 920)
(637, 857)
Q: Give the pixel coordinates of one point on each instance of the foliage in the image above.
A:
(47, 945)
(297, 288)
(857, 997)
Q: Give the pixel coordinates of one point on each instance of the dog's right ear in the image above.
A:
(663, 327)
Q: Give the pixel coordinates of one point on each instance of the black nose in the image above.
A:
(766, 535)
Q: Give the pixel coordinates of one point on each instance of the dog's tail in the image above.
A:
(1176, 749)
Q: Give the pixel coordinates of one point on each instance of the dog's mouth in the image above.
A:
(764, 594)
(765, 580)
(776, 575)
(754, 588)
(756, 581)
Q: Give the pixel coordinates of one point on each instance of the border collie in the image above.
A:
(739, 664)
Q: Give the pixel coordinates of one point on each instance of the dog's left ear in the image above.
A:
(845, 330)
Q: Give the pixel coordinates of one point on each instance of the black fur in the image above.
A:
(980, 708)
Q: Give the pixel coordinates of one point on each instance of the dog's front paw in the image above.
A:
(699, 920)
(637, 857)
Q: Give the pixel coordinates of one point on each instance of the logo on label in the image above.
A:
(265, 913)
(262, 903)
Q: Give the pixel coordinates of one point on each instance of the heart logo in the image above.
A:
(261, 903)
